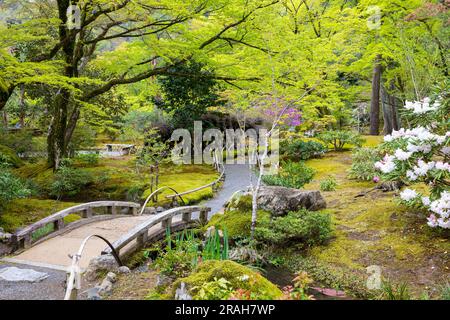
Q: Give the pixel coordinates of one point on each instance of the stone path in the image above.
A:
(237, 178)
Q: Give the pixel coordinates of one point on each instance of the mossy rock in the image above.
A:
(239, 276)
(237, 223)
(10, 156)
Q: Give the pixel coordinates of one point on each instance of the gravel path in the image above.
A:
(237, 178)
(51, 288)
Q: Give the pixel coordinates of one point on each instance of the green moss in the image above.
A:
(9, 155)
(237, 223)
(236, 274)
(71, 218)
(185, 178)
(372, 141)
(22, 212)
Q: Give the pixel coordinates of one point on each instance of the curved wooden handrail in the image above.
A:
(222, 173)
(140, 232)
(155, 193)
(58, 218)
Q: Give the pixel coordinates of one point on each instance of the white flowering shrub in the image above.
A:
(421, 154)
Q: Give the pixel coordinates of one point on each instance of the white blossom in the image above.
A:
(402, 155)
(408, 195)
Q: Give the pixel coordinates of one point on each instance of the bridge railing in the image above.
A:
(140, 233)
(23, 239)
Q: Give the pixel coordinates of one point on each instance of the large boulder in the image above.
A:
(103, 263)
(280, 200)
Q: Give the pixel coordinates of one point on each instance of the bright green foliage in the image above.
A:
(363, 164)
(302, 228)
(217, 289)
(209, 274)
(69, 182)
(291, 175)
(339, 139)
(301, 150)
(88, 159)
(11, 187)
(216, 248)
(329, 184)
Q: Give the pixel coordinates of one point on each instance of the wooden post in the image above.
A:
(142, 239)
(58, 224)
(187, 217)
(112, 210)
(27, 241)
(166, 223)
(88, 213)
(134, 211)
(204, 216)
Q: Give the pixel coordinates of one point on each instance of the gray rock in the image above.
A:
(5, 237)
(13, 274)
(163, 281)
(111, 277)
(124, 270)
(101, 263)
(160, 209)
(150, 210)
(92, 294)
(105, 288)
(2, 230)
(280, 201)
(182, 293)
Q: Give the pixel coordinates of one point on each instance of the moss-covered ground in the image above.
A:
(372, 230)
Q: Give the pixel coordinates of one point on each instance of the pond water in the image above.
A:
(282, 277)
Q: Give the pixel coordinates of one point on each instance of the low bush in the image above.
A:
(301, 150)
(363, 164)
(291, 175)
(11, 187)
(329, 184)
(69, 182)
(88, 159)
(338, 139)
(304, 228)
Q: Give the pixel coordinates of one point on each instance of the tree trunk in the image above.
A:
(57, 137)
(22, 106)
(5, 119)
(394, 104)
(375, 101)
(387, 111)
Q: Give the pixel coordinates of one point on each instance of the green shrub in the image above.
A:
(338, 139)
(89, 159)
(363, 164)
(301, 150)
(69, 182)
(291, 175)
(304, 227)
(329, 184)
(11, 187)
